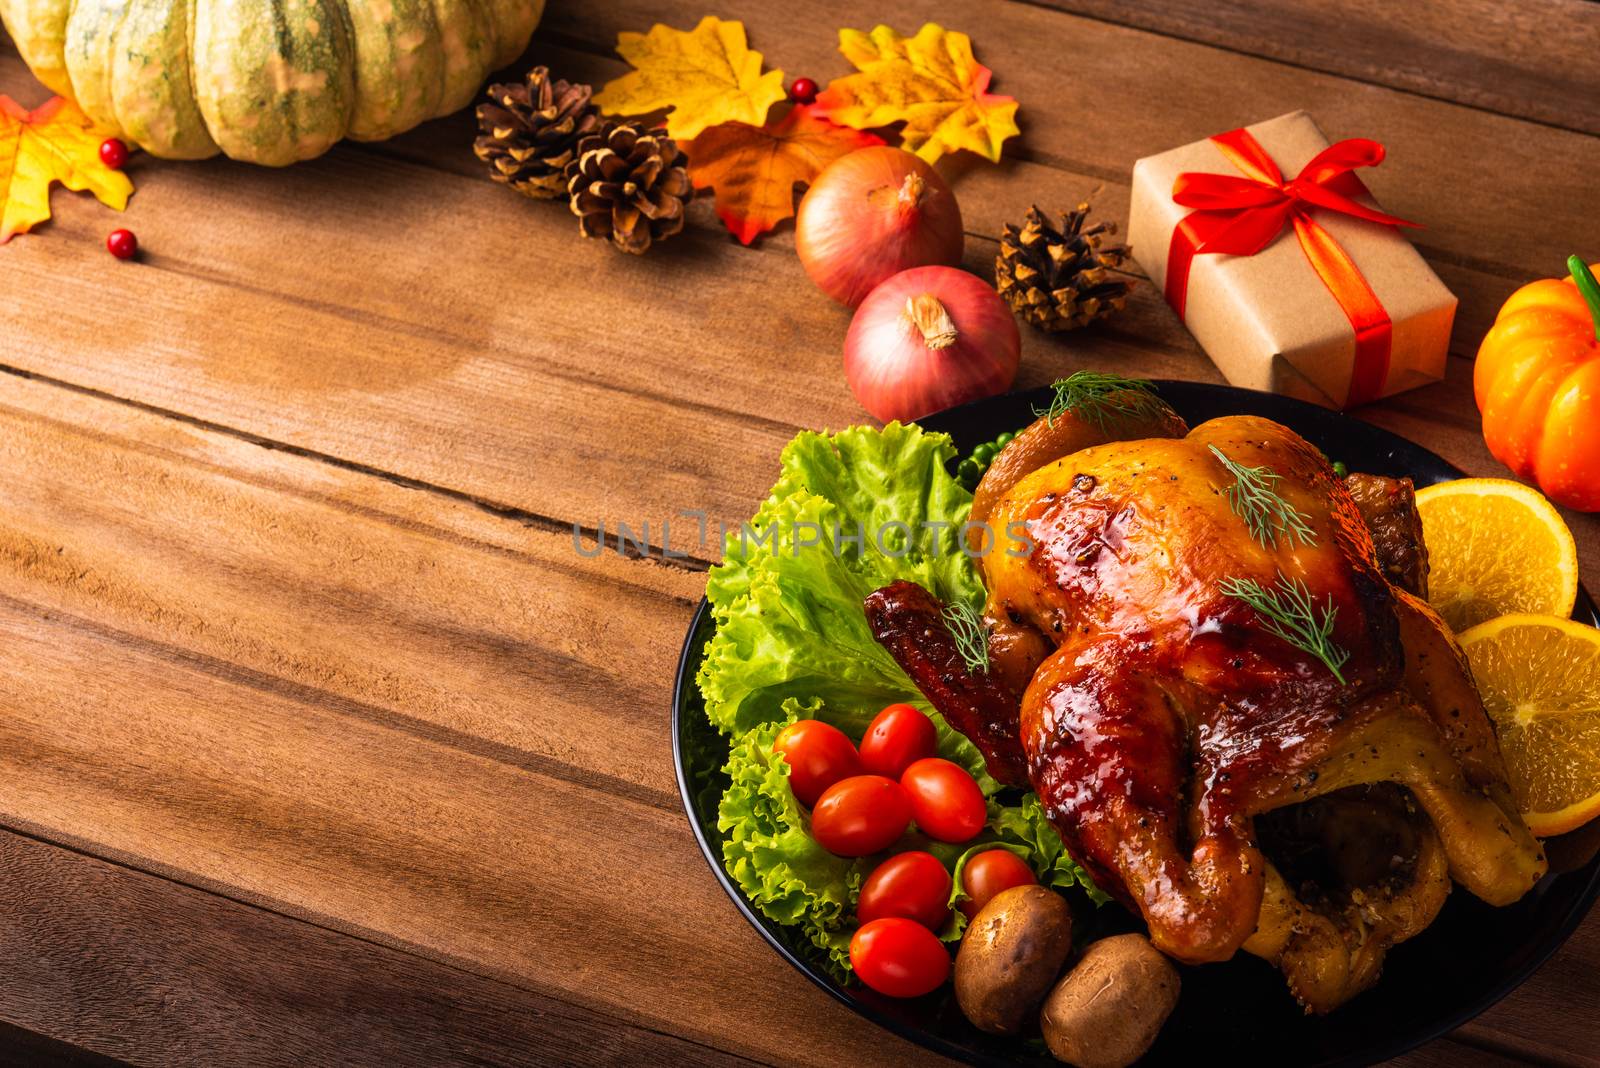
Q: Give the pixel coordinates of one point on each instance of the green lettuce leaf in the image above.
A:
(792, 641)
(895, 512)
(796, 630)
(789, 615)
(893, 485)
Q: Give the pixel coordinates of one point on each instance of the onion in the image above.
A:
(928, 339)
(872, 214)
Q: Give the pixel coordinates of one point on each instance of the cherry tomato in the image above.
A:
(913, 885)
(990, 872)
(860, 815)
(818, 755)
(945, 800)
(897, 738)
(899, 957)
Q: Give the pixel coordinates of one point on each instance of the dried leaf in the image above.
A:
(55, 142)
(754, 169)
(707, 76)
(931, 82)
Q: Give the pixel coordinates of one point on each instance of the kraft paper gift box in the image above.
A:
(1269, 320)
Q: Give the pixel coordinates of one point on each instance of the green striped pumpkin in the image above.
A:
(268, 81)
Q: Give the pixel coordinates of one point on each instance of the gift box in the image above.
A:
(1284, 267)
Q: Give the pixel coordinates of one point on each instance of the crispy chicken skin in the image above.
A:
(1160, 717)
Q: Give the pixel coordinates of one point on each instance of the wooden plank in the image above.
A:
(599, 900)
(1532, 59)
(408, 608)
(91, 964)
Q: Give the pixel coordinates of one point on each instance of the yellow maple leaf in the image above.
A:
(931, 82)
(707, 76)
(54, 142)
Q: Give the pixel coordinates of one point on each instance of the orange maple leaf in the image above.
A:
(754, 169)
(54, 142)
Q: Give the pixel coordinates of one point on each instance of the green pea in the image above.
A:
(1340, 469)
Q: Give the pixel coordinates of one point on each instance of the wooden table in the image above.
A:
(321, 743)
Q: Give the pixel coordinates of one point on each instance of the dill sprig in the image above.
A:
(1255, 499)
(1289, 612)
(1102, 399)
(972, 641)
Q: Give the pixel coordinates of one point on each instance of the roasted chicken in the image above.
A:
(1248, 726)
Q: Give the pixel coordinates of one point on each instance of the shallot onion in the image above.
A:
(872, 214)
(927, 339)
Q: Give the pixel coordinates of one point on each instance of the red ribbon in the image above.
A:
(1241, 216)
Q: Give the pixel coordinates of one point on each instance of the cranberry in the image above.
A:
(113, 153)
(122, 244)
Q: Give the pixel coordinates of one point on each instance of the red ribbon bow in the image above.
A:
(1241, 216)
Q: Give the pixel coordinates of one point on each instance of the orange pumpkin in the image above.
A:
(1538, 386)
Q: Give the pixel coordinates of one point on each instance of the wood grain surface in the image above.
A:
(88, 956)
(1532, 59)
(323, 742)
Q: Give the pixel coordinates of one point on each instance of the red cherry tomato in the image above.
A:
(913, 885)
(818, 756)
(990, 872)
(860, 815)
(899, 957)
(896, 739)
(945, 800)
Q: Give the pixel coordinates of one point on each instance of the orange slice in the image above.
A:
(1540, 680)
(1495, 546)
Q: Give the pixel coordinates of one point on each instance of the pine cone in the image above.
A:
(531, 132)
(1058, 279)
(628, 183)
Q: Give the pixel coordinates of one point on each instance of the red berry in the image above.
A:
(803, 91)
(122, 244)
(113, 153)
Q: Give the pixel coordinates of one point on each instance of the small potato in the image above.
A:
(1011, 954)
(1110, 1007)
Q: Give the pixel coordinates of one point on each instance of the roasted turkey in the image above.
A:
(1305, 786)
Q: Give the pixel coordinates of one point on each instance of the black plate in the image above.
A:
(1239, 1011)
